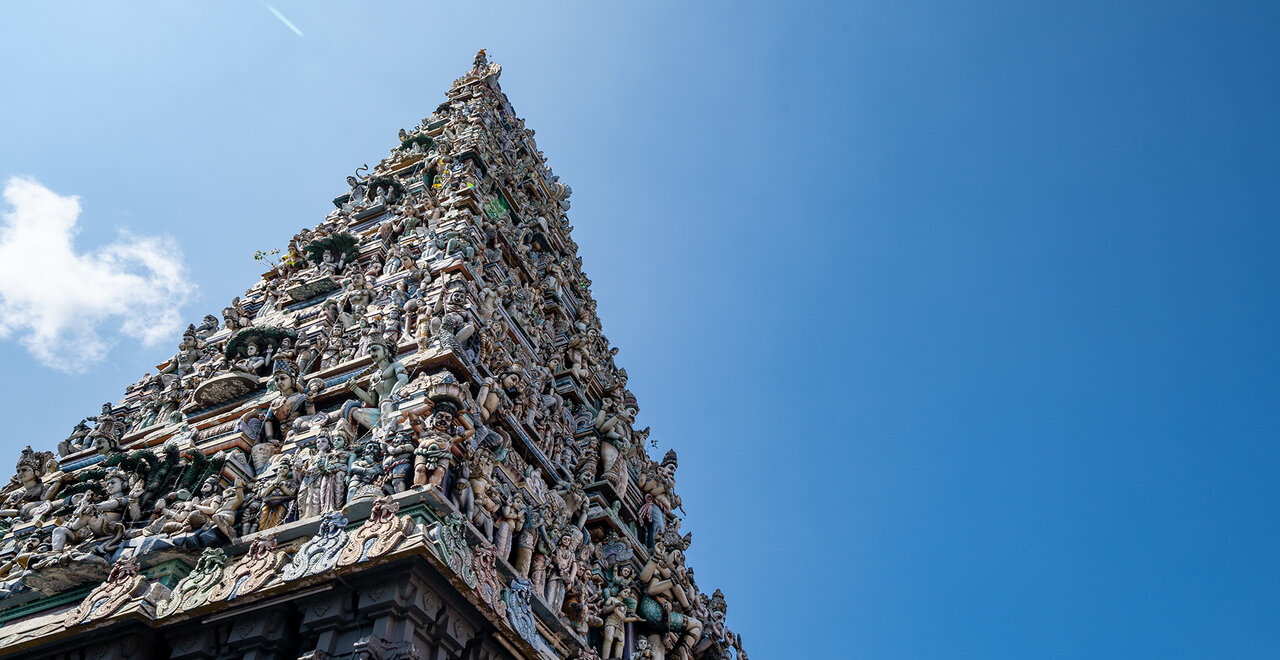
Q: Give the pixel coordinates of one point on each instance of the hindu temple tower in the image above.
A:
(407, 439)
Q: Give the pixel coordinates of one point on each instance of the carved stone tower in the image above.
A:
(409, 439)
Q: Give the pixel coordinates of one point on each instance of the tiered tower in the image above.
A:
(409, 439)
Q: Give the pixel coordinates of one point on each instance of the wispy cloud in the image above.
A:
(60, 304)
(287, 23)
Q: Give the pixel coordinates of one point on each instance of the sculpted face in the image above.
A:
(115, 485)
(284, 382)
(378, 352)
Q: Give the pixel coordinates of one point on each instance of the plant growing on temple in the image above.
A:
(267, 256)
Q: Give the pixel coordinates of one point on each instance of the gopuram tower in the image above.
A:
(408, 439)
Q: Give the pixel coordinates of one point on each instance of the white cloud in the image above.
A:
(64, 306)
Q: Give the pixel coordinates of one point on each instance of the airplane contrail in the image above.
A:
(284, 20)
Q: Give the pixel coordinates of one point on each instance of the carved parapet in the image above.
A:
(449, 538)
(520, 613)
(125, 588)
(489, 583)
(193, 590)
(258, 568)
(382, 533)
(320, 552)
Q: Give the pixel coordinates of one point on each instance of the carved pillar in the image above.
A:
(392, 605)
(327, 615)
(198, 643)
(262, 635)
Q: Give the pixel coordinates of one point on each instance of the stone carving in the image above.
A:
(367, 473)
(276, 494)
(386, 377)
(488, 583)
(193, 590)
(519, 609)
(26, 495)
(449, 537)
(320, 553)
(434, 340)
(380, 534)
(439, 444)
(259, 566)
(378, 648)
(123, 585)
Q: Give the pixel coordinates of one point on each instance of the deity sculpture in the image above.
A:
(277, 495)
(386, 377)
(563, 568)
(440, 444)
(657, 484)
(182, 364)
(357, 193)
(398, 465)
(106, 431)
(223, 517)
(333, 481)
(253, 362)
(289, 403)
(331, 266)
(367, 473)
(77, 441)
(616, 617)
(96, 517)
(315, 495)
(207, 328)
(26, 492)
(614, 424)
(510, 517)
(479, 486)
(531, 535)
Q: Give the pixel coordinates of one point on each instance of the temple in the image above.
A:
(408, 439)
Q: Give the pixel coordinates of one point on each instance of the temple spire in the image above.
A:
(415, 408)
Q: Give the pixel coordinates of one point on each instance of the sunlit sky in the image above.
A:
(961, 316)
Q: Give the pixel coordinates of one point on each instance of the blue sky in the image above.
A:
(962, 316)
